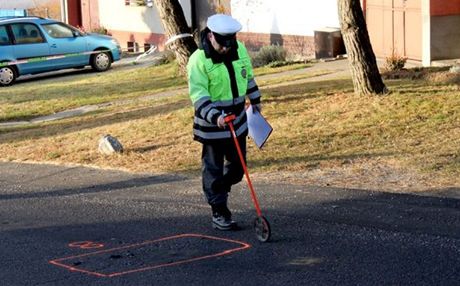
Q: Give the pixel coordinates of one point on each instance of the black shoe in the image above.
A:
(222, 217)
(222, 223)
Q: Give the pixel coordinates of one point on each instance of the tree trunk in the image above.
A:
(364, 70)
(174, 23)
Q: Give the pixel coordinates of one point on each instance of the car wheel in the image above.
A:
(101, 61)
(7, 76)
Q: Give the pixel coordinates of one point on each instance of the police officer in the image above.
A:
(220, 79)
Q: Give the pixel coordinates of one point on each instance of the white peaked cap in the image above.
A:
(223, 24)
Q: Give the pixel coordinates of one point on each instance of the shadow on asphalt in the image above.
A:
(378, 239)
(92, 189)
(321, 236)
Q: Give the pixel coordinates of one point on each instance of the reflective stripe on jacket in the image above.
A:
(218, 87)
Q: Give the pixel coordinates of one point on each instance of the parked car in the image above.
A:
(31, 45)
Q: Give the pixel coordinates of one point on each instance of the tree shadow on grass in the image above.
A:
(315, 159)
(87, 122)
(300, 91)
(145, 149)
(144, 181)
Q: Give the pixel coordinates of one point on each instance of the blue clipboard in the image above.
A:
(259, 128)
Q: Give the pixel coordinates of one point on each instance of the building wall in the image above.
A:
(444, 7)
(445, 37)
(296, 46)
(445, 32)
(90, 15)
(264, 22)
(290, 23)
(287, 17)
(138, 25)
(254, 40)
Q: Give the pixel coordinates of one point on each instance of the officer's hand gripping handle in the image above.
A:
(229, 118)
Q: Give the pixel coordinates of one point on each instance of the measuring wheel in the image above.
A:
(262, 228)
(261, 225)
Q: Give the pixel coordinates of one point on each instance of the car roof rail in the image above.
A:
(20, 17)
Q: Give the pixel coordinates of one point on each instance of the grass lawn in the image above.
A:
(409, 139)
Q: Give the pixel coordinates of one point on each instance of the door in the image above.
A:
(6, 45)
(29, 44)
(67, 42)
(395, 27)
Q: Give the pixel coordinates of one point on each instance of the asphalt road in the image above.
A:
(83, 226)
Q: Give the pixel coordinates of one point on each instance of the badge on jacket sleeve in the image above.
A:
(244, 73)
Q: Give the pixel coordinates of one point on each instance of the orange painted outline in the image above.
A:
(58, 262)
(85, 244)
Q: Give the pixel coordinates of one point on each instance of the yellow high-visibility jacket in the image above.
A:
(220, 85)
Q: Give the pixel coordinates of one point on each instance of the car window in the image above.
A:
(4, 38)
(25, 33)
(58, 30)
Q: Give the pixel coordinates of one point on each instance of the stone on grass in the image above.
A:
(109, 145)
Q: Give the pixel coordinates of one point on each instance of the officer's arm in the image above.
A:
(198, 89)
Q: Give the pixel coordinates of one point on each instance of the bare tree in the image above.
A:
(174, 23)
(366, 76)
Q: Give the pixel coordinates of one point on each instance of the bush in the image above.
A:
(269, 54)
(395, 62)
(100, 30)
(166, 57)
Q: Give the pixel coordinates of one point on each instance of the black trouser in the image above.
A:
(221, 168)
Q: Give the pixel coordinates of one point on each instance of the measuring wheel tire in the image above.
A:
(7, 75)
(262, 228)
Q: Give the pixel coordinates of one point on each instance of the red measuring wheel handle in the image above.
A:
(229, 118)
(261, 225)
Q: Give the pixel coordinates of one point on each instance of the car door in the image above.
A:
(6, 45)
(29, 45)
(68, 42)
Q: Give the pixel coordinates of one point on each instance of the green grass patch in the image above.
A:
(316, 124)
(38, 98)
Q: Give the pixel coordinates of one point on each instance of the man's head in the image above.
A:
(223, 32)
